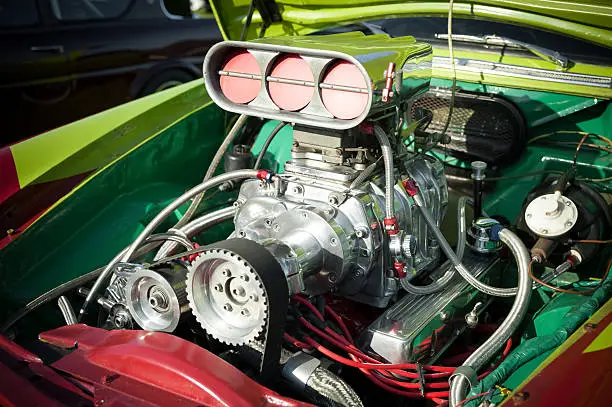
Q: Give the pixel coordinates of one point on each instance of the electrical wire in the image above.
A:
(566, 291)
(606, 179)
(524, 175)
(591, 241)
(247, 23)
(579, 133)
(472, 398)
(574, 143)
(582, 140)
(267, 143)
(385, 375)
(453, 72)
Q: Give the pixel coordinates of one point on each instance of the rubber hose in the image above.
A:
(267, 143)
(597, 199)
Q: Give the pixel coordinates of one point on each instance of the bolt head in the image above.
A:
(226, 273)
(218, 287)
(333, 200)
(245, 312)
(520, 396)
(228, 307)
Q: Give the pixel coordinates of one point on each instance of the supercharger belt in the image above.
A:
(238, 292)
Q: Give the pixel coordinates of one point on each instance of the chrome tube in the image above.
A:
(168, 210)
(387, 154)
(123, 254)
(212, 168)
(474, 282)
(67, 310)
(196, 226)
(459, 382)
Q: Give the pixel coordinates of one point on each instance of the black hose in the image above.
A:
(247, 23)
(262, 153)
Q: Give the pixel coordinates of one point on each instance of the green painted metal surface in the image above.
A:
(537, 107)
(106, 213)
(588, 20)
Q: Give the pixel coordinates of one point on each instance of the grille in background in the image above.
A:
(483, 127)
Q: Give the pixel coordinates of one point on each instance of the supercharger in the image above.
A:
(322, 219)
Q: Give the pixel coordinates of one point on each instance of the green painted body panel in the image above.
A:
(91, 143)
(537, 107)
(588, 20)
(107, 211)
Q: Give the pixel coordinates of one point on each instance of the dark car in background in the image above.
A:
(62, 60)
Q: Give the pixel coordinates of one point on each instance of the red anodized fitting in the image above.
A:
(391, 225)
(265, 175)
(193, 256)
(411, 187)
(387, 91)
(399, 268)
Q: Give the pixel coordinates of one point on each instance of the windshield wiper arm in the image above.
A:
(546, 54)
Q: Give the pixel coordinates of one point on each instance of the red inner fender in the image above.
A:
(344, 104)
(289, 96)
(240, 90)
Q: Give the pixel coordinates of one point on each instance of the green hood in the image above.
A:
(590, 20)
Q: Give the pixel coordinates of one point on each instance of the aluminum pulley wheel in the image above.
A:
(227, 296)
(156, 301)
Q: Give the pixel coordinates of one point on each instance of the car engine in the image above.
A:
(344, 248)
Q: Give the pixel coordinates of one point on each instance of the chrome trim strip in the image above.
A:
(516, 71)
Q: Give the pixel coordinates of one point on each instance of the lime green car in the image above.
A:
(365, 203)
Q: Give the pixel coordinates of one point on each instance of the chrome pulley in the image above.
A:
(227, 296)
(156, 301)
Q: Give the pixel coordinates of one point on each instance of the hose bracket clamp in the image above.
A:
(468, 373)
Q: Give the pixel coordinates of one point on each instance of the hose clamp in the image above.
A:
(466, 372)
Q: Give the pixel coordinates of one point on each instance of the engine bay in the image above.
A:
(364, 267)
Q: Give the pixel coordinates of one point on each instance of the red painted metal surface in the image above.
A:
(574, 378)
(154, 368)
(26, 381)
(17, 351)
